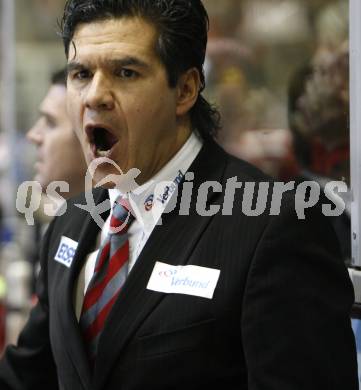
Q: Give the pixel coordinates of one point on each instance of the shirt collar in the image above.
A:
(149, 200)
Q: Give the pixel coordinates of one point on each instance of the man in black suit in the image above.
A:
(213, 297)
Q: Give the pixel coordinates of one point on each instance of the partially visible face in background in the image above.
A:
(59, 155)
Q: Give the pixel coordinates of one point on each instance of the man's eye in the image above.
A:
(50, 123)
(126, 73)
(81, 75)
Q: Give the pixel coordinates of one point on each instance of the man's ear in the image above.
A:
(188, 88)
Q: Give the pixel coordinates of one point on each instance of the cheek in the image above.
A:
(52, 159)
(78, 139)
(56, 146)
(74, 105)
(150, 114)
(50, 141)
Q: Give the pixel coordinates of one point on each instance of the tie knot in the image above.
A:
(121, 217)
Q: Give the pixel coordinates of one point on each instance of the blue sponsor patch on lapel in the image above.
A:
(66, 251)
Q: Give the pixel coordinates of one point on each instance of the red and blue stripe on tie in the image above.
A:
(111, 270)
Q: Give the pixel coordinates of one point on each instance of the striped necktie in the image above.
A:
(110, 272)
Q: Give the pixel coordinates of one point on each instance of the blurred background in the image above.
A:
(278, 71)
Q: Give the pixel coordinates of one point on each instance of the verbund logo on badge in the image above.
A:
(188, 279)
(180, 281)
(169, 190)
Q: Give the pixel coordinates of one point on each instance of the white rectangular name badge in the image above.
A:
(187, 279)
(66, 251)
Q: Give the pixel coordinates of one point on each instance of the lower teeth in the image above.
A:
(102, 153)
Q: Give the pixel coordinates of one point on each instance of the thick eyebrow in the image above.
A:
(128, 61)
(114, 63)
(73, 65)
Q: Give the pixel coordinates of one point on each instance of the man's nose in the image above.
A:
(35, 134)
(99, 95)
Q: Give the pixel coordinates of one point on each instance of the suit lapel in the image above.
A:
(172, 242)
(66, 312)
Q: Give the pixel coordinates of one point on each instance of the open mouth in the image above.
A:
(102, 140)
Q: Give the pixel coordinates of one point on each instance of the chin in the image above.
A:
(103, 178)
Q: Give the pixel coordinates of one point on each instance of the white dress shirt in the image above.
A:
(147, 202)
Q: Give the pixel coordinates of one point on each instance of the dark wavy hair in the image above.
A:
(182, 27)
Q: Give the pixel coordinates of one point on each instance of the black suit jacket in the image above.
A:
(278, 320)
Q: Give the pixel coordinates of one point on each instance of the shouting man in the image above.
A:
(174, 291)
